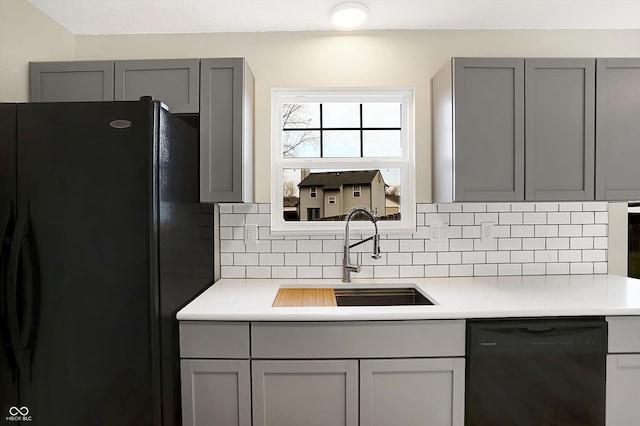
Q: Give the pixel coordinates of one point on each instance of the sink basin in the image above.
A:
(380, 297)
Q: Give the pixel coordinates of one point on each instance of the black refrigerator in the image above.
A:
(103, 241)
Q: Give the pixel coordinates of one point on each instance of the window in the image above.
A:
(337, 141)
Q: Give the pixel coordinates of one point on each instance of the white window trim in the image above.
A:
(313, 192)
(406, 163)
(359, 191)
(331, 198)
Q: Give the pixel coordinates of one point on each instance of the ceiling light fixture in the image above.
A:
(349, 15)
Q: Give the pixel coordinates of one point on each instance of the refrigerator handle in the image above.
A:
(5, 245)
(22, 335)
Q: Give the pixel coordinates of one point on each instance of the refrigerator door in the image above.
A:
(85, 189)
(8, 364)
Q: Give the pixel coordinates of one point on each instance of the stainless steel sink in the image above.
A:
(380, 297)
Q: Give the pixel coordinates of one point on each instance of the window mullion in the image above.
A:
(321, 134)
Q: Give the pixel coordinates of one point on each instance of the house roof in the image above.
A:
(290, 201)
(334, 180)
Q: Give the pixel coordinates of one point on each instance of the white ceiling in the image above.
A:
(210, 16)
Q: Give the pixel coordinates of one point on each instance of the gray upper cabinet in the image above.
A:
(559, 122)
(226, 130)
(478, 134)
(175, 82)
(71, 81)
(513, 129)
(618, 129)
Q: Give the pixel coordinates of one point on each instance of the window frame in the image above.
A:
(331, 199)
(405, 162)
(313, 192)
(359, 191)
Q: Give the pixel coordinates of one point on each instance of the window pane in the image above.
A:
(300, 143)
(340, 115)
(341, 143)
(300, 116)
(381, 114)
(334, 189)
(381, 143)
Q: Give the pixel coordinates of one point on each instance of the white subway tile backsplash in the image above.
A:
(510, 269)
(310, 246)
(523, 207)
(582, 217)
(411, 245)
(509, 243)
(594, 230)
(297, 259)
(283, 272)
(585, 243)
(525, 256)
(559, 218)
(499, 257)
(581, 268)
(436, 271)
(528, 239)
(474, 257)
(533, 244)
(535, 218)
(426, 258)
(557, 268)
(461, 271)
(522, 231)
(285, 246)
(449, 258)
(485, 270)
(462, 219)
(570, 255)
(461, 244)
(510, 218)
(534, 268)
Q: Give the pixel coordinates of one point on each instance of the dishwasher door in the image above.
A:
(536, 372)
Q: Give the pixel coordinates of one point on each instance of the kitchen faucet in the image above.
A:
(347, 267)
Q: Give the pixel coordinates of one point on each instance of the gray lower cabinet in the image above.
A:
(623, 371)
(305, 392)
(216, 392)
(175, 82)
(623, 387)
(514, 129)
(71, 81)
(412, 392)
(226, 130)
(618, 129)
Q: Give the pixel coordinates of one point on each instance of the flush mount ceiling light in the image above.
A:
(349, 15)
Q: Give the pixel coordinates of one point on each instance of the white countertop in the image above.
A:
(465, 297)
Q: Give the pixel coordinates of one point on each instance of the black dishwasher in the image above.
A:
(536, 372)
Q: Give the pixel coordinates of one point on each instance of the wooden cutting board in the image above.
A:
(292, 297)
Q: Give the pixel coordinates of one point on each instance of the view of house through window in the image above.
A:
(336, 153)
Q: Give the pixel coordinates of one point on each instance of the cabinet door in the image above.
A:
(623, 386)
(226, 130)
(560, 122)
(310, 393)
(172, 81)
(216, 392)
(618, 129)
(412, 392)
(489, 130)
(71, 81)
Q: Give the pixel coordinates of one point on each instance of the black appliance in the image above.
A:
(103, 240)
(633, 264)
(536, 372)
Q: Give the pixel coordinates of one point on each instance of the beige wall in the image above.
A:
(27, 35)
(307, 59)
(375, 59)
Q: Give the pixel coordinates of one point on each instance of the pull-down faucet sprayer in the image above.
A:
(347, 267)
